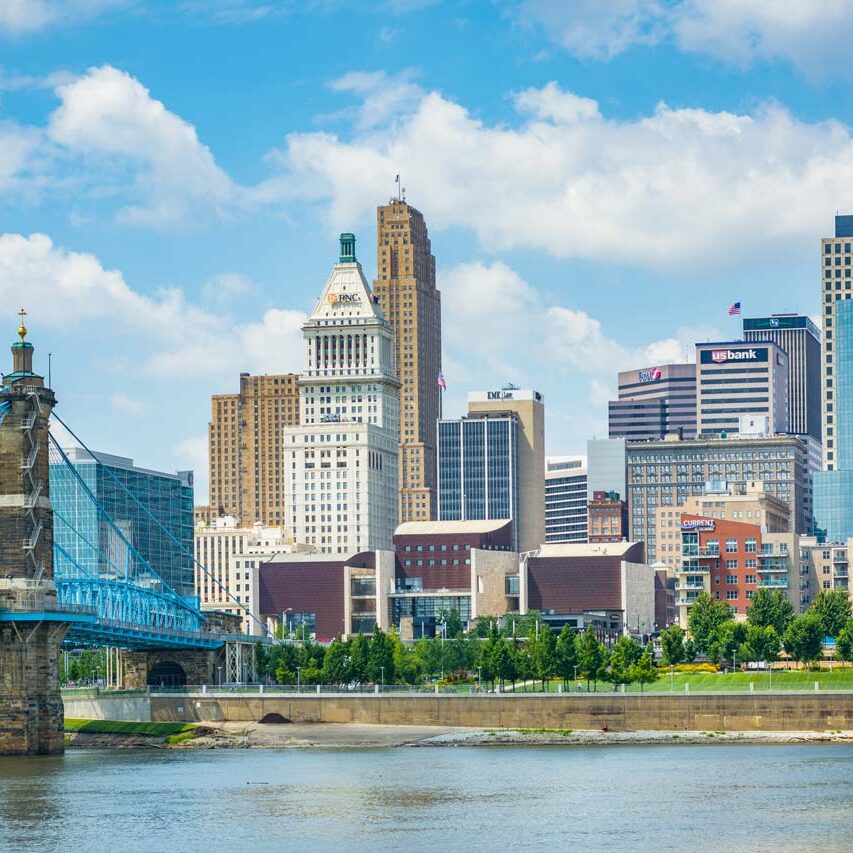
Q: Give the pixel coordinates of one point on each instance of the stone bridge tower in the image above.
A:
(31, 624)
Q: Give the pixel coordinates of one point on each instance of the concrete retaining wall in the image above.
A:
(135, 709)
(617, 712)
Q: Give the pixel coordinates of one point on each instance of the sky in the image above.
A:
(600, 181)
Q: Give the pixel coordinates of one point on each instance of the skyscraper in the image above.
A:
(478, 469)
(653, 402)
(245, 448)
(340, 463)
(528, 406)
(800, 339)
(405, 288)
(739, 386)
(834, 486)
(565, 499)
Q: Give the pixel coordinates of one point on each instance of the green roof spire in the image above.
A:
(347, 248)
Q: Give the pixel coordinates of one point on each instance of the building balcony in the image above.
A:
(685, 601)
(773, 570)
(690, 585)
(772, 583)
(693, 552)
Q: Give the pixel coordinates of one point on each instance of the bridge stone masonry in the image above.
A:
(31, 623)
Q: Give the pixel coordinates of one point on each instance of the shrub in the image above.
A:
(697, 667)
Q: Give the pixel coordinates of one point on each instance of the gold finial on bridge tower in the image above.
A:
(22, 329)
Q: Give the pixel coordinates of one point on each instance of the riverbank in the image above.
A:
(363, 736)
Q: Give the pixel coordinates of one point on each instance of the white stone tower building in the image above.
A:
(341, 462)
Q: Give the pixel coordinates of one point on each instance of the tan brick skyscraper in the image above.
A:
(245, 448)
(405, 288)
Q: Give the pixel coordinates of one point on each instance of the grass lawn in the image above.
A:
(116, 727)
(839, 679)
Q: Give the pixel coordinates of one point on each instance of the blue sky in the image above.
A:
(600, 181)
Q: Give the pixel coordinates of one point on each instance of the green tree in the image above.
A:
(770, 608)
(626, 652)
(704, 620)
(832, 608)
(542, 649)
(380, 657)
(359, 651)
(336, 663)
(487, 654)
(761, 643)
(592, 657)
(450, 617)
(803, 638)
(690, 650)
(844, 642)
(727, 641)
(565, 654)
(672, 645)
(503, 660)
(643, 670)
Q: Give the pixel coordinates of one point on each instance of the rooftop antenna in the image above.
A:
(400, 189)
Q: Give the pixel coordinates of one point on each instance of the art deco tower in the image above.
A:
(340, 463)
(405, 288)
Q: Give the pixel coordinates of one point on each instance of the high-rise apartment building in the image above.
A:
(245, 448)
(565, 499)
(529, 407)
(479, 469)
(405, 289)
(153, 510)
(340, 463)
(800, 338)
(738, 384)
(666, 473)
(653, 402)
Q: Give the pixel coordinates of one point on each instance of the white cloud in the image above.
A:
(810, 34)
(227, 286)
(110, 119)
(19, 17)
(673, 187)
(593, 29)
(127, 405)
(383, 97)
(63, 287)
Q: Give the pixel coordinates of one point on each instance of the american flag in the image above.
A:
(442, 382)
(734, 308)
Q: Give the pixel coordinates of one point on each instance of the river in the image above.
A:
(714, 797)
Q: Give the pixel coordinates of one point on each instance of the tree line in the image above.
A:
(770, 628)
(519, 649)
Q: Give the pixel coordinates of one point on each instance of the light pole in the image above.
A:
(219, 668)
(770, 671)
(479, 678)
(576, 672)
(382, 670)
(734, 661)
(284, 621)
(672, 678)
(298, 679)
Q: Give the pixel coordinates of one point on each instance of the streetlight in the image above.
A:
(480, 676)
(298, 681)
(576, 672)
(672, 678)
(219, 668)
(284, 621)
(382, 669)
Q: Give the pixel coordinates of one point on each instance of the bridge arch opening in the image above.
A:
(167, 674)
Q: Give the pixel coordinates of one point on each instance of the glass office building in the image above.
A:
(478, 469)
(87, 542)
(833, 489)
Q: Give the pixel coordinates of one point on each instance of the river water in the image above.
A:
(714, 797)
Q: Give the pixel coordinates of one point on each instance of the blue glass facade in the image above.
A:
(478, 469)
(833, 490)
(95, 546)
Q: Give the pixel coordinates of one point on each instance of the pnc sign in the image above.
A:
(649, 375)
(343, 298)
(723, 356)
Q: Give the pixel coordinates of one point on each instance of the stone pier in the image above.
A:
(31, 623)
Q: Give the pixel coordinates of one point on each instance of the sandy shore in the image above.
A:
(341, 735)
